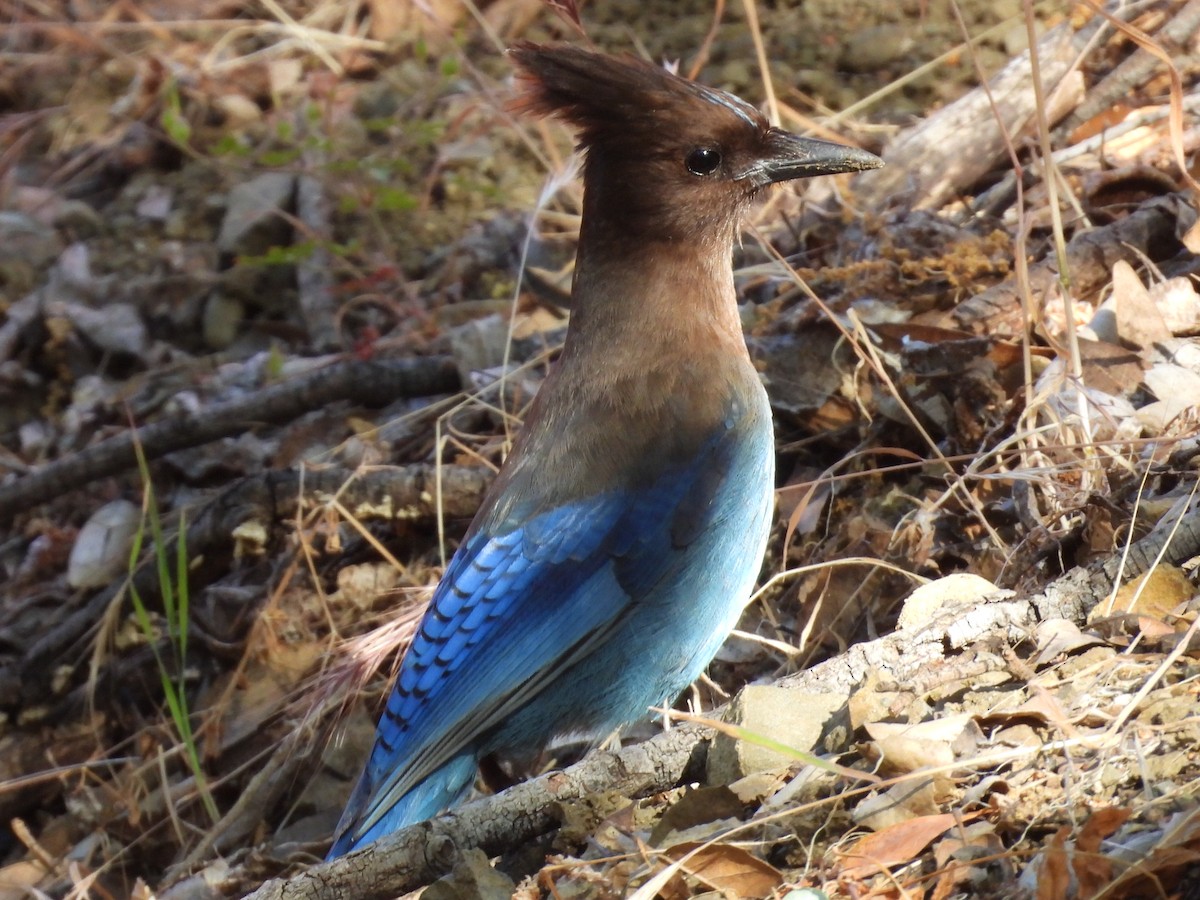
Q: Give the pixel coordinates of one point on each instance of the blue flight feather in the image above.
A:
(584, 582)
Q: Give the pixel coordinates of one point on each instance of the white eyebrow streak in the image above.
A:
(735, 105)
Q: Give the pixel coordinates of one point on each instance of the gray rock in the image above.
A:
(222, 321)
(101, 550)
(876, 48)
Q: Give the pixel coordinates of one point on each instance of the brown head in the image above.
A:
(666, 158)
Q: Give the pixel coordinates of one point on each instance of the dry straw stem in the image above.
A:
(760, 54)
(1093, 476)
(921, 658)
(957, 484)
(1184, 643)
(317, 41)
(865, 349)
(1030, 432)
(1150, 45)
(477, 399)
(796, 650)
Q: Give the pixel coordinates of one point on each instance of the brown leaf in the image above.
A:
(1138, 320)
(895, 845)
(1054, 877)
(1110, 368)
(1169, 863)
(1111, 116)
(1059, 637)
(724, 867)
(1155, 594)
(1093, 870)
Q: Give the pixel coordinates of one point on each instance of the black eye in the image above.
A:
(703, 161)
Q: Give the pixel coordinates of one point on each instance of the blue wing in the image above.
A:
(515, 610)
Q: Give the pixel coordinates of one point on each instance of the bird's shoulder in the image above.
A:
(632, 435)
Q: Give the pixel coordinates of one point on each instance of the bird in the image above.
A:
(621, 538)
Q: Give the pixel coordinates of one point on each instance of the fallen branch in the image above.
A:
(1151, 232)
(386, 492)
(955, 147)
(919, 658)
(370, 382)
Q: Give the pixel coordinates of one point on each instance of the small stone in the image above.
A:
(792, 718)
(101, 550)
(177, 225)
(156, 203)
(237, 110)
(117, 328)
(1016, 38)
(478, 345)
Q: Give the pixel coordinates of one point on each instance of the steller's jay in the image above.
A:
(621, 539)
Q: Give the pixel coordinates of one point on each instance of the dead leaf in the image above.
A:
(1110, 374)
(697, 807)
(913, 798)
(1058, 637)
(19, 879)
(895, 845)
(904, 754)
(1109, 368)
(958, 870)
(1168, 865)
(724, 867)
(1054, 878)
(1120, 629)
(1111, 116)
(1093, 869)
(957, 589)
(945, 728)
(1179, 304)
(1155, 594)
(802, 502)
(1177, 389)
(1138, 320)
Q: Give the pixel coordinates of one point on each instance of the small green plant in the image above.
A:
(173, 587)
(296, 253)
(172, 119)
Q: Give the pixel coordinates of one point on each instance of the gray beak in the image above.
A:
(790, 156)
